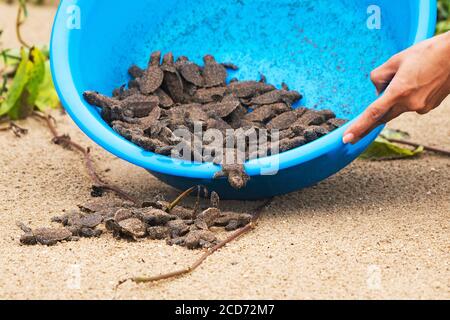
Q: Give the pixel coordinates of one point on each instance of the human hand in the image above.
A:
(415, 80)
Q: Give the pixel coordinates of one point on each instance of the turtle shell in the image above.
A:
(133, 227)
(214, 73)
(151, 80)
(91, 220)
(192, 73)
(48, 236)
(249, 89)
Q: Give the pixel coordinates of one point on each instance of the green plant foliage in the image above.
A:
(383, 149)
(391, 134)
(31, 86)
(17, 87)
(10, 58)
(47, 96)
(443, 16)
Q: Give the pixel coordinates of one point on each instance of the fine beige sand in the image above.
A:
(375, 230)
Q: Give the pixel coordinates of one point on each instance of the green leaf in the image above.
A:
(18, 85)
(47, 97)
(443, 27)
(31, 87)
(383, 149)
(36, 73)
(10, 58)
(443, 16)
(443, 9)
(395, 134)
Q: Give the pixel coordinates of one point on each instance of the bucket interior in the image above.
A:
(323, 49)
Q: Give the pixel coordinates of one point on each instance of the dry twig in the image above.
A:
(416, 145)
(66, 142)
(15, 129)
(207, 254)
(19, 22)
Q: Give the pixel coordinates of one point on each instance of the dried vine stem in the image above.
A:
(180, 198)
(416, 145)
(19, 23)
(15, 129)
(66, 142)
(247, 229)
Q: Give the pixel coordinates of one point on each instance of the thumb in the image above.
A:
(382, 76)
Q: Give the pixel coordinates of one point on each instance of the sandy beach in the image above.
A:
(377, 230)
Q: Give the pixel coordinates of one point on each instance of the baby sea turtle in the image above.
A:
(129, 228)
(183, 213)
(328, 114)
(81, 225)
(146, 124)
(237, 177)
(165, 101)
(249, 89)
(336, 123)
(96, 99)
(200, 239)
(314, 132)
(139, 106)
(214, 74)
(136, 72)
(147, 144)
(237, 118)
(208, 95)
(153, 77)
(218, 124)
(262, 78)
(125, 130)
(277, 96)
(285, 120)
(230, 66)
(267, 112)
(207, 218)
(119, 93)
(134, 106)
(291, 143)
(233, 221)
(215, 200)
(100, 205)
(44, 236)
(221, 109)
(154, 217)
(158, 233)
(173, 83)
(178, 228)
(312, 118)
(191, 72)
(123, 214)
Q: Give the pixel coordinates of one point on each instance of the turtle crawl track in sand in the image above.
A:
(178, 94)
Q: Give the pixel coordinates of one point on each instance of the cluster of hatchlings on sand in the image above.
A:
(181, 226)
(172, 95)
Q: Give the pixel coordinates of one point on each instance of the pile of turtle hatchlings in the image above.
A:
(155, 220)
(171, 95)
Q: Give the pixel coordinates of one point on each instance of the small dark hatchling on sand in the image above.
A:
(154, 220)
(44, 236)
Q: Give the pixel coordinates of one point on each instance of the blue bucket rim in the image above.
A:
(104, 136)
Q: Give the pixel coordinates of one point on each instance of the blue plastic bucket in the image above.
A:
(324, 49)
